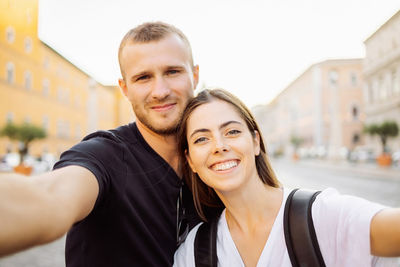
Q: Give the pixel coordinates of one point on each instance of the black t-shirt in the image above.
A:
(133, 222)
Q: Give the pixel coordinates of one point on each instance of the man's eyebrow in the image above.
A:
(203, 130)
(134, 77)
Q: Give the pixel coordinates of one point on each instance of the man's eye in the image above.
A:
(144, 77)
(199, 140)
(172, 71)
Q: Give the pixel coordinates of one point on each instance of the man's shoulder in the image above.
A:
(122, 134)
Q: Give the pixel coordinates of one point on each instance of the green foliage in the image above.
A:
(296, 141)
(25, 133)
(384, 131)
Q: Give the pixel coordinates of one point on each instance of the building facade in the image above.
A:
(382, 78)
(323, 107)
(39, 86)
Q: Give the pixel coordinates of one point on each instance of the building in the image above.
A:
(382, 78)
(38, 85)
(323, 107)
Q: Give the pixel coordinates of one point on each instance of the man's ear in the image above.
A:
(195, 76)
(189, 161)
(256, 141)
(123, 86)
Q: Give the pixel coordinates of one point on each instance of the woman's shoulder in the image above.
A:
(184, 255)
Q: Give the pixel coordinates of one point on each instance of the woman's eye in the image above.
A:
(233, 132)
(199, 140)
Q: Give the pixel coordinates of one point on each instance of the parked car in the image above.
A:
(396, 158)
(362, 154)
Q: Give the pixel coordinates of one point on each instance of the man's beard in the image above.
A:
(167, 131)
(164, 131)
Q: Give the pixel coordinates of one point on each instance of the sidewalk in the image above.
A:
(358, 168)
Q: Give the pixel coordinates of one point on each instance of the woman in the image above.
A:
(226, 164)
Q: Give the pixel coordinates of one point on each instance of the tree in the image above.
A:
(384, 130)
(24, 133)
(296, 142)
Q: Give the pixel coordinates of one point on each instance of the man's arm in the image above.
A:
(385, 233)
(39, 209)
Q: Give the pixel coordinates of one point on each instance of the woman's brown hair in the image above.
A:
(203, 195)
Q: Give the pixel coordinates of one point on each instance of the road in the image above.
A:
(382, 189)
(356, 181)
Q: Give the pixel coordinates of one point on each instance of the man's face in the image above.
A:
(159, 81)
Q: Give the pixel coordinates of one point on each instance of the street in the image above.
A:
(373, 184)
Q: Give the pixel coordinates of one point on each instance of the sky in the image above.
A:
(253, 48)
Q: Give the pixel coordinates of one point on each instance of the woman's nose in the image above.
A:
(220, 146)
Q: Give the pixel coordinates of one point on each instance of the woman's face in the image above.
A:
(222, 150)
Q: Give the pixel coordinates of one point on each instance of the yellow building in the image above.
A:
(40, 86)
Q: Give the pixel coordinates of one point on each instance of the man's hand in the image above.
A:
(39, 209)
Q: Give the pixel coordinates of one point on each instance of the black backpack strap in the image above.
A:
(300, 237)
(205, 244)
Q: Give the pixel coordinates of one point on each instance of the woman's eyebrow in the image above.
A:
(223, 125)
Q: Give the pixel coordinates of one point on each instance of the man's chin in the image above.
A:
(170, 129)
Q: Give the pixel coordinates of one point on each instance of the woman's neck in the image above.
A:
(250, 216)
(257, 205)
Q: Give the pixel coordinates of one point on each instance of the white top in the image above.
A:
(341, 223)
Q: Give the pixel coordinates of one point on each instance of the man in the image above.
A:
(117, 189)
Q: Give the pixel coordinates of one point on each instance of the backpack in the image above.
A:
(301, 240)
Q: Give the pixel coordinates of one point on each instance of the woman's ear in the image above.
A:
(256, 141)
(189, 161)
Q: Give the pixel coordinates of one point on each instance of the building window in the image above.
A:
(28, 44)
(382, 89)
(46, 63)
(353, 79)
(10, 34)
(77, 101)
(27, 119)
(333, 77)
(66, 96)
(62, 128)
(355, 139)
(60, 94)
(10, 72)
(45, 123)
(28, 80)
(9, 117)
(395, 82)
(46, 87)
(78, 134)
(355, 112)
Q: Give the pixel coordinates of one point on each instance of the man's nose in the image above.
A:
(160, 88)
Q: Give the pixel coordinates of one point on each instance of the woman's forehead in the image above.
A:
(213, 113)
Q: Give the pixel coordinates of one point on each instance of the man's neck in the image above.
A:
(165, 145)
